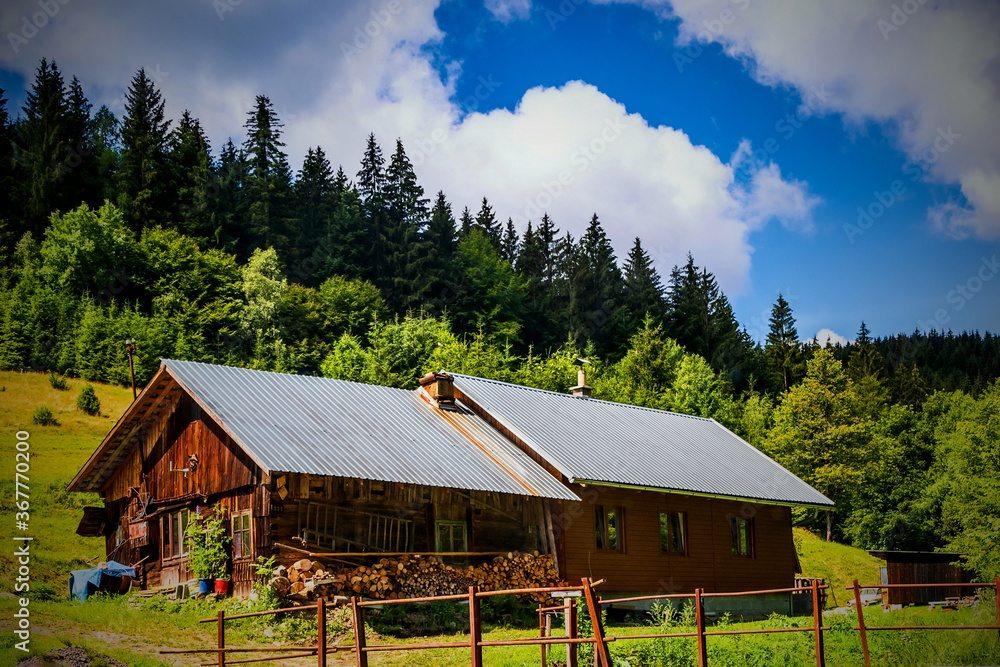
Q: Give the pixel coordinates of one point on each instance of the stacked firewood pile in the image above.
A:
(414, 576)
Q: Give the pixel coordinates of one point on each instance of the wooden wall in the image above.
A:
(924, 573)
(709, 562)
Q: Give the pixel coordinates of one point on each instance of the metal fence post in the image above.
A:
(541, 632)
(222, 637)
(359, 632)
(321, 632)
(601, 653)
(818, 623)
(475, 628)
(996, 599)
(861, 623)
(699, 615)
(571, 632)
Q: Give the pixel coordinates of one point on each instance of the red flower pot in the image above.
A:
(221, 586)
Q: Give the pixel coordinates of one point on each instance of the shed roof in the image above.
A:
(602, 442)
(319, 426)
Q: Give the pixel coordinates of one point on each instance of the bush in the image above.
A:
(43, 417)
(88, 402)
(58, 382)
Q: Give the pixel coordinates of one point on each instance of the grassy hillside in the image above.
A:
(57, 453)
(839, 564)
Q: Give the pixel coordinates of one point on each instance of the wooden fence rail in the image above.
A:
(864, 629)
(224, 655)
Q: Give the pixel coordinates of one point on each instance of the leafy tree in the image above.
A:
(782, 349)
(143, 175)
(489, 295)
(350, 306)
(264, 288)
(646, 374)
(85, 251)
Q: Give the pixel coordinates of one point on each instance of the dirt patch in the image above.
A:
(71, 657)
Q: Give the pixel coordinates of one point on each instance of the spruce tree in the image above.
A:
(316, 202)
(78, 172)
(783, 349)
(487, 223)
(465, 223)
(599, 292)
(106, 139)
(406, 212)
(10, 215)
(231, 178)
(644, 295)
(43, 147)
(510, 243)
(699, 316)
(864, 360)
(269, 179)
(143, 173)
(371, 187)
(442, 237)
(191, 178)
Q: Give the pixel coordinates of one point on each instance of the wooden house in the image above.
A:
(647, 500)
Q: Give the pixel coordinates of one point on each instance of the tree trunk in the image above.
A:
(829, 526)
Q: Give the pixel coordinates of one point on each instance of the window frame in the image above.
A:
(452, 523)
(247, 541)
(736, 523)
(168, 536)
(683, 520)
(602, 536)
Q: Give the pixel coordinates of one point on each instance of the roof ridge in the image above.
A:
(588, 398)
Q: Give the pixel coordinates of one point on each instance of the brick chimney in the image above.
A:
(441, 387)
(582, 389)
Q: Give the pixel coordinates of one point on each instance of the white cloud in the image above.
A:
(930, 71)
(509, 10)
(344, 70)
(828, 337)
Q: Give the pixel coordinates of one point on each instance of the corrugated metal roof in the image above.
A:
(614, 443)
(319, 426)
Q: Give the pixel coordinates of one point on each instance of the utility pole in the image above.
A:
(130, 351)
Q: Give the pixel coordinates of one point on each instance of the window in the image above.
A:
(242, 544)
(173, 528)
(451, 536)
(608, 527)
(673, 533)
(741, 535)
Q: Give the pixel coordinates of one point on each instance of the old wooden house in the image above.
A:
(647, 500)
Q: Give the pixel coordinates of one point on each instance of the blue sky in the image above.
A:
(749, 134)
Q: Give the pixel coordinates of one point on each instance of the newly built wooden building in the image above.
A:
(647, 500)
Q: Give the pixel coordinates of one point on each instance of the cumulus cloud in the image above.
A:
(506, 11)
(342, 70)
(930, 71)
(829, 337)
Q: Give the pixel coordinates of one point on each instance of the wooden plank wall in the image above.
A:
(924, 573)
(709, 562)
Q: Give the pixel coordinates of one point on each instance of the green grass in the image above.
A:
(839, 564)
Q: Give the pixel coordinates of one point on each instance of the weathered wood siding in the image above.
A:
(924, 573)
(708, 564)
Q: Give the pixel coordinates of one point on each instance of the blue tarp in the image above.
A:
(78, 579)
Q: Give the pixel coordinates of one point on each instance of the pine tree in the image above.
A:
(465, 223)
(143, 174)
(783, 349)
(191, 176)
(105, 136)
(343, 240)
(43, 147)
(316, 202)
(231, 203)
(644, 295)
(442, 237)
(864, 361)
(79, 169)
(269, 218)
(10, 215)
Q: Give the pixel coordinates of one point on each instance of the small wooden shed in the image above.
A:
(921, 567)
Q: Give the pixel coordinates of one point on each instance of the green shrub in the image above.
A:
(88, 402)
(43, 417)
(58, 382)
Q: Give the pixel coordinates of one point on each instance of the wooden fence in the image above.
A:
(602, 655)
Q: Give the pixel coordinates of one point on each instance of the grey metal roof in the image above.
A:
(602, 442)
(319, 426)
